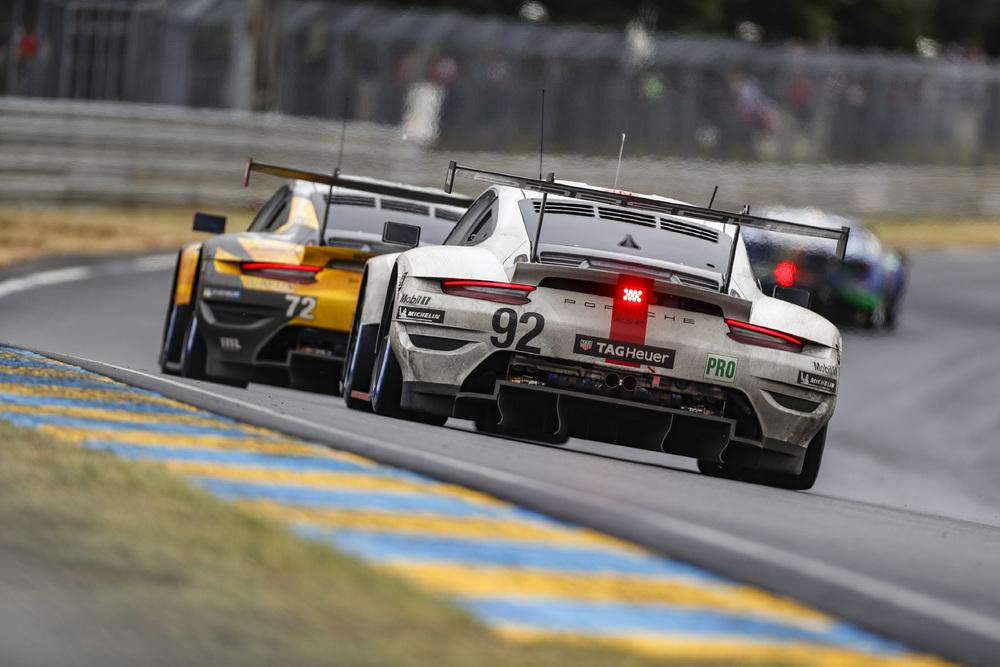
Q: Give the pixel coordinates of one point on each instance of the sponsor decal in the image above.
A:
(230, 344)
(720, 368)
(414, 300)
(266, 284)
(820, 382)
(650, 314)
(420, 314)
(220, 293)
(614, 350)
(826, 369)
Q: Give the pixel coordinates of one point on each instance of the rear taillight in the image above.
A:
(291, 273)
(510, 293)
(785, 273)
(752, 334)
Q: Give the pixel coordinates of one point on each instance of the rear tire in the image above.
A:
(387, 376)
(360, 361)
(877, 318)
(194, 357)
(171, 340)
(804, 480)
(194, 354)
(174, 328)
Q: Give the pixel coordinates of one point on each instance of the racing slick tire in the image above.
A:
(877, 318)
(194, 354)
(892, 314)
(175, 325)
(171, 340)
(804, 480)
(387, 380)
(360, 361)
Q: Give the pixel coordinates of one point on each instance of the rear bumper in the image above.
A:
(255, 343)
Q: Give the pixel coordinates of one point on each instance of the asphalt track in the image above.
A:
(901, 534)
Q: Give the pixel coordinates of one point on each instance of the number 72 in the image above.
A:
(303, 307)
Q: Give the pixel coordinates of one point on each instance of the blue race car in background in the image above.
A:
(864, 289)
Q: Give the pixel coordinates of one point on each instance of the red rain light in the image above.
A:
(632, 295)
(785, 273)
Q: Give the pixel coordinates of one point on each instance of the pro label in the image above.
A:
(720, 368)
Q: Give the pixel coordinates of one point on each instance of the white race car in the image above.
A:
(557, 310)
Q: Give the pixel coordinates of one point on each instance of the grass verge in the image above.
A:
(28, 232)
(165, 574)
(936, 232)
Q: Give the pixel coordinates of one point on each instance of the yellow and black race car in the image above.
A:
(275, 303)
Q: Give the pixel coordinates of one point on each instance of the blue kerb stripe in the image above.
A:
(34, 421)
(76, 382)
(243, 458)
(126, 405)
(16, 350)
(401, 502)
(616, 619)
(6, 362)
(392, 547)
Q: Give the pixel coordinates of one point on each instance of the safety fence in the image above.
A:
(455, 80)
(114, 153)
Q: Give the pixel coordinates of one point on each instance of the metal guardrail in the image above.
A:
(118, 153)
(460, 80)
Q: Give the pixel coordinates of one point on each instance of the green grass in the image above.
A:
(937, 232)
(32, 232)
(133, 551)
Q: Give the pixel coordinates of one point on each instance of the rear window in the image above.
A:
(357, 212)
(641, 234)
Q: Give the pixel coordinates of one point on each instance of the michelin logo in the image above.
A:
(420, 314)
(605, 348)
(818, 382)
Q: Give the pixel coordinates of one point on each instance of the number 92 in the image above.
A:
(505, 323)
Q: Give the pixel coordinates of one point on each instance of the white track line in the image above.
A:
(77, 273)
(861, 585)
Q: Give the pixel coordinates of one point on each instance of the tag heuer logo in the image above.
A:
(632, 353)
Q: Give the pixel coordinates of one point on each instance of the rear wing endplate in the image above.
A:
(340, 180)
(628, 200)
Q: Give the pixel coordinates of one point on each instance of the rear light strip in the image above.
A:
(301, 274)
(753, 334)
(488, 290)
(278, 266)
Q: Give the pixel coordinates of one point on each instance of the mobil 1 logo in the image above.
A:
(720, 368)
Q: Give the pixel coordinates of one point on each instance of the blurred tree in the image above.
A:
(886, 24)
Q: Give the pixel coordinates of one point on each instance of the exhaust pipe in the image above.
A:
(629, 383)
(612, 380)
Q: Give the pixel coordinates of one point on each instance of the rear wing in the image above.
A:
(629, 200)
(337, 179)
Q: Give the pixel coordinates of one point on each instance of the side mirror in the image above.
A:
(796, 295)
(398, 233)
(212, 224)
